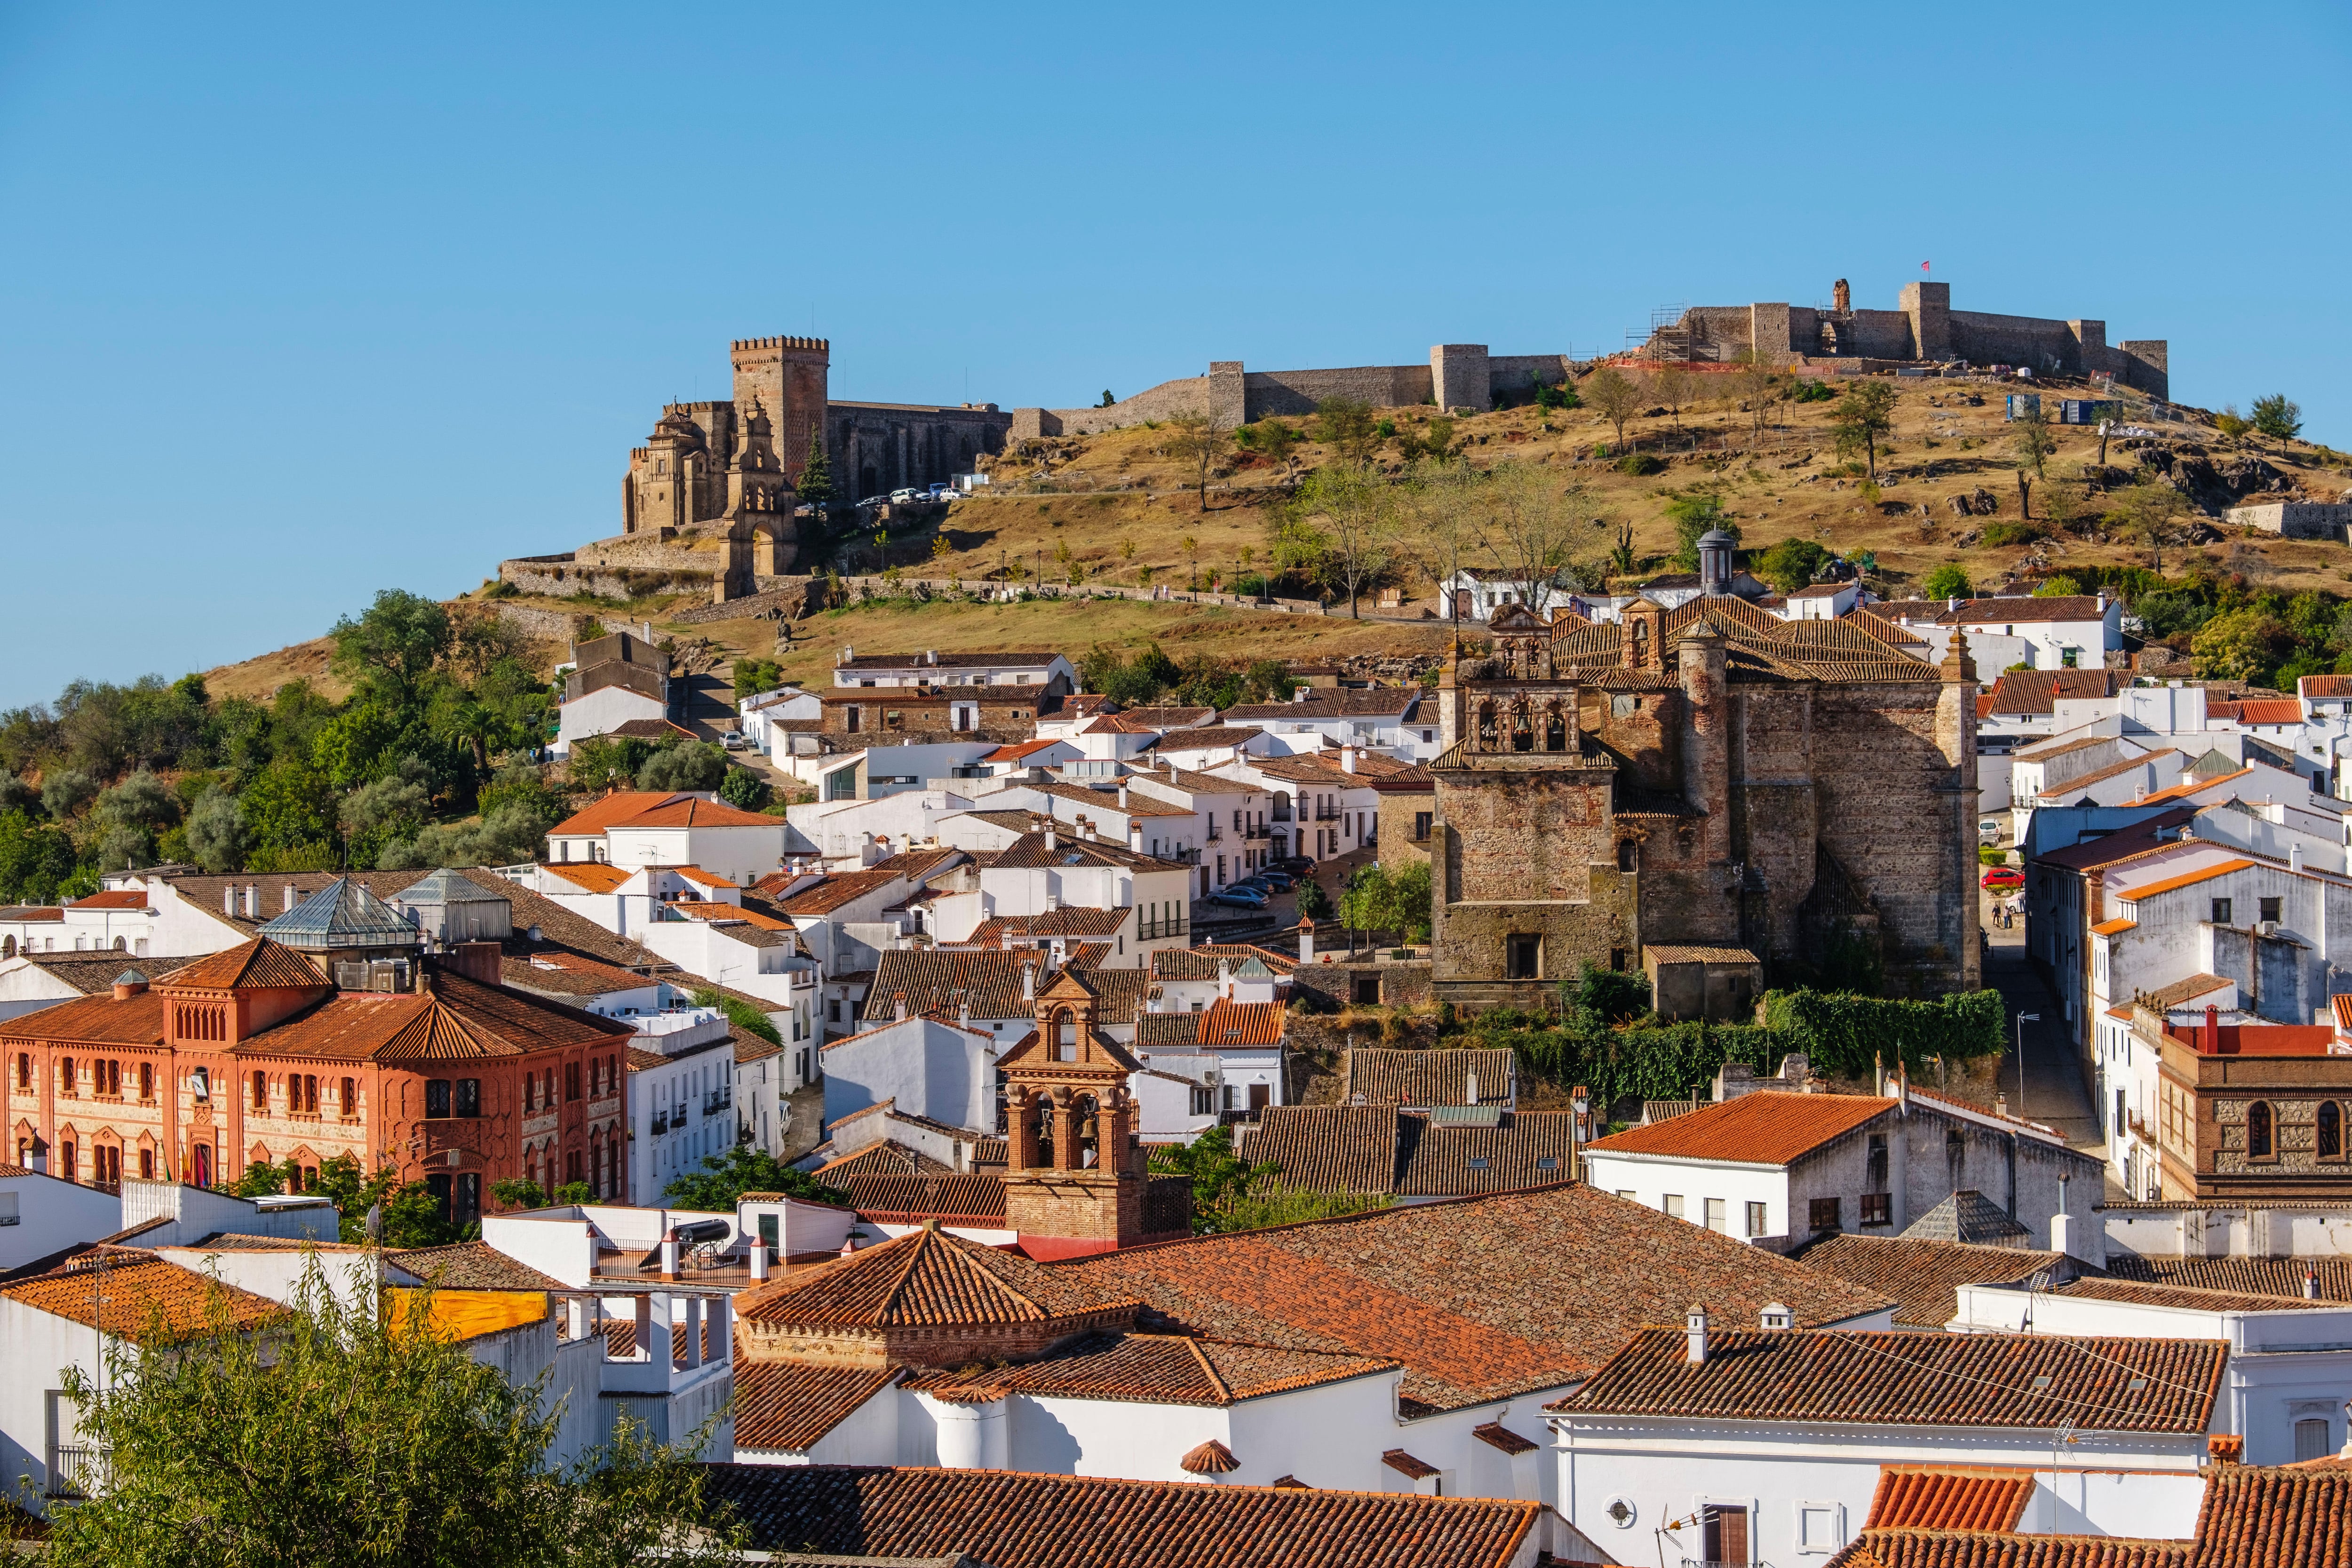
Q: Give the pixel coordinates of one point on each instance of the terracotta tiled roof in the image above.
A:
(588, 876)
(917, 863)
(1949, 1497)
(1895, 1378)
(1753, 1130)
(1167, 1369)
(2270, 710)
(1481, 1299)
(1231, 1025)
(986, 980)
(96, 1019)
(610, 810)
(2332, 1277)
(2036, 691)
(1377, 1149)
(569, 975)
(257, 965)
(2165, 997)
(1329, 702)
(1495, 1434)
(825, 897)
(1427, 1078)
(470, 1266)
(2193, 788)
(1028, 853)
(113, 899)
(2288, 1516)
(147, 1299)
(900, 1198)
(1970, 1549)
(1700, 954)
(748, 914)
(1201, 962)
(927, 1276)
(2190, 1297)
(783, 1406)
(1067, 921)
(1167, 718)
(2026, 610)
(1923, 1276)
(883, 1157)
(458, 1019)
(1014, 1520)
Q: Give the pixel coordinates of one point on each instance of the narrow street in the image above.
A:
(2054, 1092)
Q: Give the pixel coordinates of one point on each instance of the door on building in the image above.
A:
(1261, 1096)
(770, 1235)
(1462, 610)
(1726, 1535)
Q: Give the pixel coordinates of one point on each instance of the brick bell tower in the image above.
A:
(1074, 1174)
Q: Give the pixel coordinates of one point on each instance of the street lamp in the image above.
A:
(2022, 1019)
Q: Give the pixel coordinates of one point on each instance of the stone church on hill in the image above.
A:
(1707, 777)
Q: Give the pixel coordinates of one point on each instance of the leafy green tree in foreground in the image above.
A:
(334, 1436)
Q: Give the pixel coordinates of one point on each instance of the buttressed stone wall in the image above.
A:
(1711, 777)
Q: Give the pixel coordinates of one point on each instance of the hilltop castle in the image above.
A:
(710, 497)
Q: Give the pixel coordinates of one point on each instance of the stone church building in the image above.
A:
(1707, 777)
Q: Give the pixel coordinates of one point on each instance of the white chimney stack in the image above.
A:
(1122, 794)
(1135, 834)
(759, 1259)
(1776, 1316)
(1052, 842)
(1305, 941)
(2310, 1285)
(2295, 857)
(1347, 759)
(1695, 1336)
(290, 896)
(228, 894)
(1470, 1089)
(1028, 982)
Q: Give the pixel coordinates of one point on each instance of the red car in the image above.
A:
(2004, 879)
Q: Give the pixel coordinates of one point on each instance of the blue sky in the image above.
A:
(298, 303)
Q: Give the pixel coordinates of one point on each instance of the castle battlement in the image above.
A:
(819, 345)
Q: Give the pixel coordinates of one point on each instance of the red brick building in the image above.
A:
(362, 1045)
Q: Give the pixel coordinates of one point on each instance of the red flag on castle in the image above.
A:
(1923, 266)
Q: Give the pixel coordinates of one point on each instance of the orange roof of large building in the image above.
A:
(590, 875)
(114, 899)
(1230, 1024)
(260, 965)
(1763, 1128)
(612, 810)
(144, 1299)
(925, 1277)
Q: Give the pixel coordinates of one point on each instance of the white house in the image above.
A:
(1475, 595)
(1777, 1169)
(1320, 804)
(1197, 750)
(2072, 631)
(41, 1214)
(1821, 601)
(638, 828)
(878, 771)
(1003, 667)
(1389, 719)
(681, 1096)
(1058, 868)
(921, 1065)
(764, 716)
(2289, 1372)
(1765, 1444)
(611, 681)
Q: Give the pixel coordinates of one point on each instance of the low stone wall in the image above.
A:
(543, 626)
(783, 598)
(560, 577)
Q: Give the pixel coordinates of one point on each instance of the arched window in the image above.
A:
(24, 1070)
(2331, 1130)
(7, 947)
(529, 1093)
(1066, 1035)
(1489, 738)
(1523, 729)
(2260, 1144)
(1555, 729)
(1087, 1149)
(201, 1166)
(121, 944)
(260, 1089)
(67, 1082)
(146, 1080)
(348, 1103)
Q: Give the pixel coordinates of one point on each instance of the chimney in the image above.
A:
(477, 961)
(1347, 759)
(1694, 1336)
(228, 894)
(1052, 902)
(759, 1259)
(1028, 981)
(2310, 1285)
(253, 900)
(1951, 604)
(2212, 1027)
(1052, 841)
(2222, 1449)
(1135, 834)
(899, 1006)
(1776, 1317)
(290, 898)
(1122, 794)
(1305, 941)
(1470, 1089)
(124, 990)
(848, 654)
(930, 656)
(2295, 857)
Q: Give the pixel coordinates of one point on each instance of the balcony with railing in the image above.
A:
(716, 1100)
(78, 1470)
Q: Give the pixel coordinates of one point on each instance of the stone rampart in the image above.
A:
(1296, 392)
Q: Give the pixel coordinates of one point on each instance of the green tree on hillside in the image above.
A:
(1863, 417)
(1615, 395)
(1949, 581)
(2277, 418)
(2030, 436)
(1345, 424)
(1791, 564)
